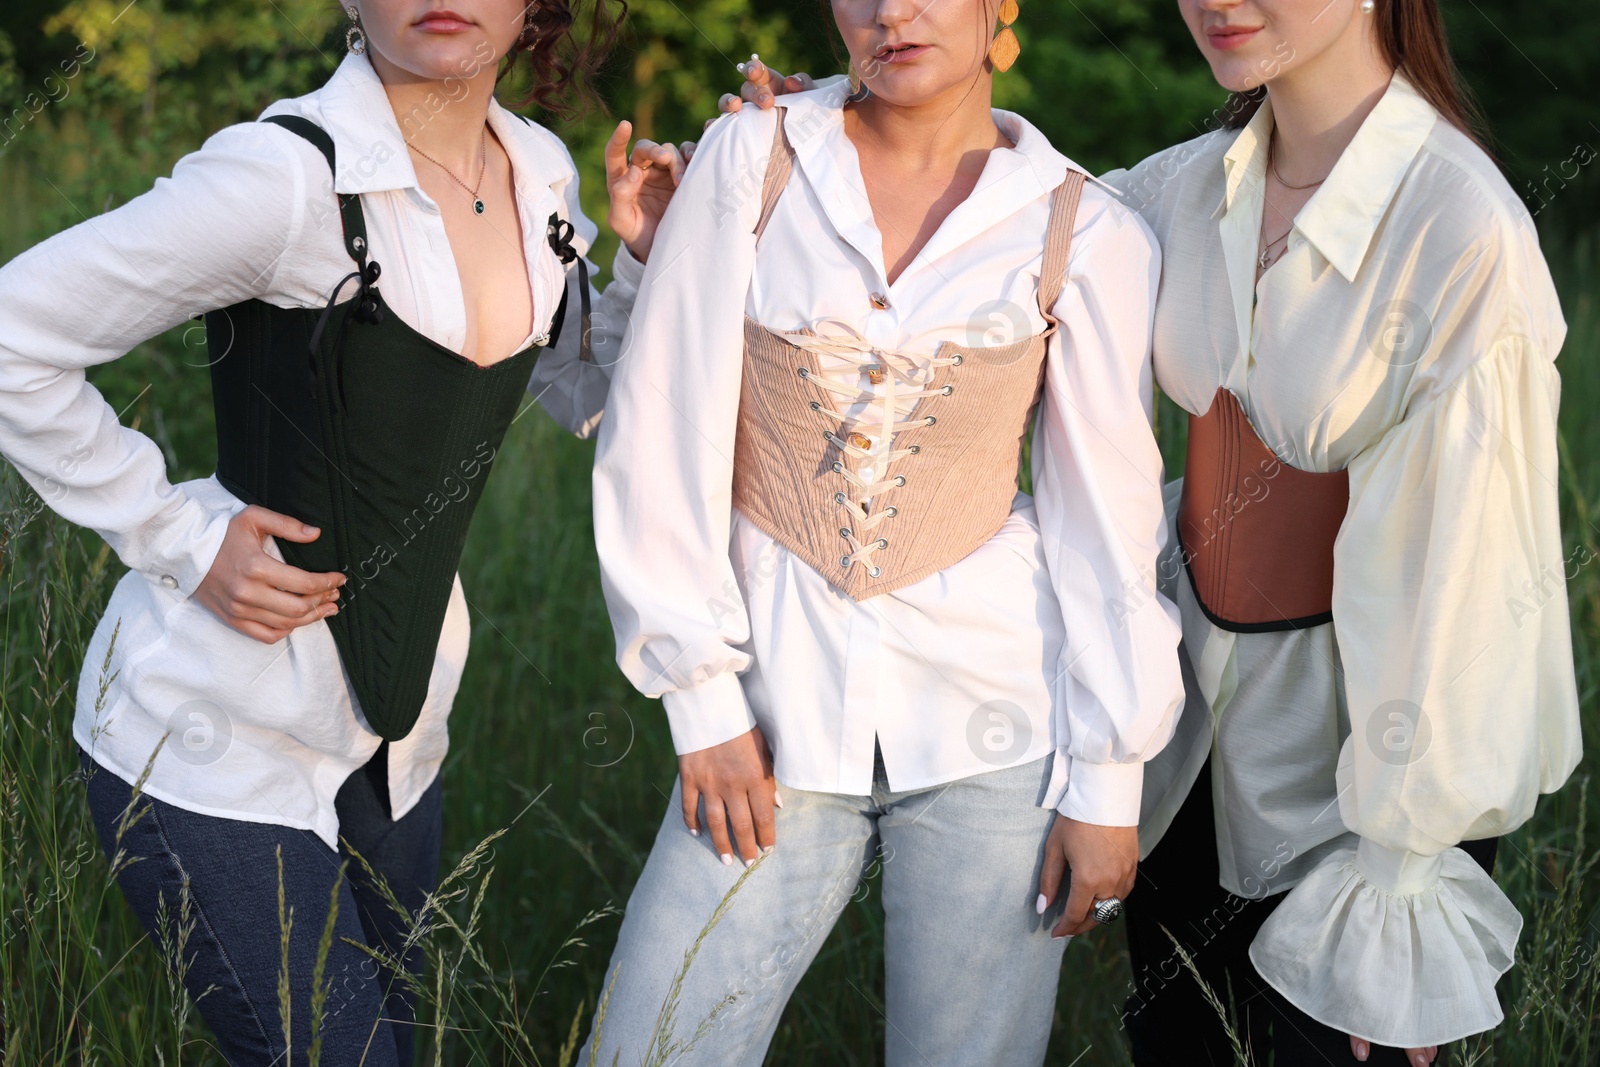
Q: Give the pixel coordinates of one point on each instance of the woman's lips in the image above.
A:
(900, 53)
(1230, 37)
(444, 21)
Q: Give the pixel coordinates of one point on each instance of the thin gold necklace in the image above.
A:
(1265, 259)
(483, 151)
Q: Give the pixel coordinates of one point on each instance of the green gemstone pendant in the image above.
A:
(477, 205)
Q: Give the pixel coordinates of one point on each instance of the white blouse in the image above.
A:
(259, 732)
(1048, 639)
(1407, 334)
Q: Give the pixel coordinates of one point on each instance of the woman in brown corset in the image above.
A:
(1366, 552)
(814, 550)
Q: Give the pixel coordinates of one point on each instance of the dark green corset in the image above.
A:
(347, 418)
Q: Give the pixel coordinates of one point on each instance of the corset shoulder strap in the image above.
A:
(350, 215)
(779, 166)
(1058, 242)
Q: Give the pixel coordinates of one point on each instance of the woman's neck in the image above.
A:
(937, 135)
(1318, 107)
(444, 119)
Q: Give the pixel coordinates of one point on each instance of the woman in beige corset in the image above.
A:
(814, 550)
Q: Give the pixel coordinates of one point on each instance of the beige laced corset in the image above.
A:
(873, 491)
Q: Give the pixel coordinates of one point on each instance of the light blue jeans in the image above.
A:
(970, 966)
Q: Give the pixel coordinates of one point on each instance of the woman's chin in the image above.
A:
(1237, 74)
(913, 88)
(436, 57)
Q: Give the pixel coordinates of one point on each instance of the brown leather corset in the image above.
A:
(875, 505)
(1256, 534)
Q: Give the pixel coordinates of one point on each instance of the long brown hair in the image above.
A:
(560, 65)
(1411, 39)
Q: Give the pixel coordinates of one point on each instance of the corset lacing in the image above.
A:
(896, 371)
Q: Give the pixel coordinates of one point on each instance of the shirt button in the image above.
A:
(875, 374)
(860, 440)
(169, 581)
(880, 301)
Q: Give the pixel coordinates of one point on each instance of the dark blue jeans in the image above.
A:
(234, 949)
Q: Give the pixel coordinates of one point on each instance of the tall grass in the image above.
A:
(559, 774)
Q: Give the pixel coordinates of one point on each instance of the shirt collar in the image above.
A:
(1012, 178)
(1341, 217)
(371, 150)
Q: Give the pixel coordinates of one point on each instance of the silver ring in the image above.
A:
(1108, 910)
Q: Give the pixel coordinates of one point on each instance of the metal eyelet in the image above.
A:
(883, 542)
(357, 243)
(891, 511)
(932, 420)
(955, 360)
(875, 572)
(899, 479)
(838, 468)
(844, 531)
(815, 406)
(844, 561)
(838, 498)
(914, 449)
(947, 390)
(803, 373)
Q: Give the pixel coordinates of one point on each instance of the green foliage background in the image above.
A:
(543, 713)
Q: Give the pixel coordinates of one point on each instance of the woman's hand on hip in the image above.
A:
(641, 186)
(258, 595)
(1099, 861)
(735, 781)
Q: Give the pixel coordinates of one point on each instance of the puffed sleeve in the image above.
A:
(1097, 484)
(1450, 611)
(212, 234)
(663, 475)
(571, 389)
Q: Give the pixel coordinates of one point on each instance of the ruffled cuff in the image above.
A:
(1391, 946)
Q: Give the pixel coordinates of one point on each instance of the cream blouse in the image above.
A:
(1407, 334)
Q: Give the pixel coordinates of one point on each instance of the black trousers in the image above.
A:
(227, 869)
(1168, 1019)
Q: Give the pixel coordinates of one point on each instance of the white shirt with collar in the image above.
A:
(1407, 334)
(1048, 640)
(259, 732)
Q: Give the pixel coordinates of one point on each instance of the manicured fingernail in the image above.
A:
(1041, 904)
(1059, 937)
(307, 529)
(1361, 1051)
(768, 849)
(776, 799)
(693, 832)
(727, 860)
(764, 98)
(748, 862)
(1421, 1060)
